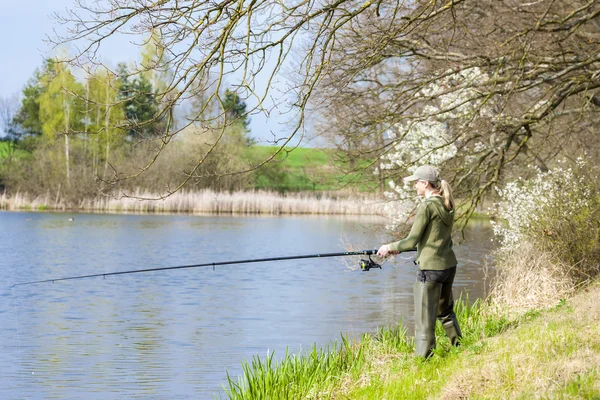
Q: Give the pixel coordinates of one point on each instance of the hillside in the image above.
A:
(304, 169)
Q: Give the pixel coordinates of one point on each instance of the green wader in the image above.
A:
(433, 301)
(447, 316)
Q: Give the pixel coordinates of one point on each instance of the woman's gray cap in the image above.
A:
(424, 173)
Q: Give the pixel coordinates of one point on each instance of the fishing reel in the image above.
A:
(366, 265)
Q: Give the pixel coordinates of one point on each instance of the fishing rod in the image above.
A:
(365, 265)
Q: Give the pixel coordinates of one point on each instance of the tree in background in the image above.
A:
(155, 64)
(61, 107)
(371, 63)
(9, 106)
(91, 117)
(140, 103)
(235, 110)
(105, 116)
(27, 119)
(156, 68)
(8, 109)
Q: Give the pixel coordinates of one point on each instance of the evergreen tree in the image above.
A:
(235, 110)
(140, 103)
(27, 120)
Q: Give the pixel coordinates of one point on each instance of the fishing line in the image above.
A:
(365, 265)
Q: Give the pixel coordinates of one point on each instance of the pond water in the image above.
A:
(175, 334)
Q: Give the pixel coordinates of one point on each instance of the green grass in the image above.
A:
(295, 376)
(320, 373)
(302, 169)
(581, 386)
(6, 148)
(551, 353)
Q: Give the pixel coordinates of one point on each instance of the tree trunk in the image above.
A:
(106, 126)
(67, 159)
(86, 125)
(67, 112)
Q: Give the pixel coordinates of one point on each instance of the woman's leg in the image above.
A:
(427, 297)
(433, 299)
(445, 311)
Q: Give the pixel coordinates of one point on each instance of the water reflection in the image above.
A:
(173, 334)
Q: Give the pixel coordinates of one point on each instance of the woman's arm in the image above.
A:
(413, 238)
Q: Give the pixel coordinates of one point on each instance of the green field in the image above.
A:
(301, 169)
(9, 151)
(4, 150)
(294, 157)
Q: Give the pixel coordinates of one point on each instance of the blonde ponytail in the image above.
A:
(446, 192)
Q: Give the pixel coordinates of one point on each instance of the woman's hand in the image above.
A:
(385, 251)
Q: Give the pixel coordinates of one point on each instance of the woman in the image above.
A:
(431, 235)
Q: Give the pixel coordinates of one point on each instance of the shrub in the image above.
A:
(550, 235)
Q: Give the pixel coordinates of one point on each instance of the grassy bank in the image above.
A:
(304, 169)
(209, 202)
(552, 353)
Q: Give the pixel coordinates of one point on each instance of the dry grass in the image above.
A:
(210, 202)
(528, 279)
(557, 355)
(551, 354)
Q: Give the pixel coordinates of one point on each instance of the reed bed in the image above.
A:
(24, 201)
(210, 202)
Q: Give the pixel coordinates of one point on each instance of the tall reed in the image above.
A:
(210, 202)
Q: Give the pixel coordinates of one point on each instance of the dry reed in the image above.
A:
(527, 279)
(209, 202)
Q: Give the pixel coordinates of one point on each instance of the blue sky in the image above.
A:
(24, 28)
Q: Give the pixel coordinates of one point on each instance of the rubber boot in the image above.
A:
(427, 298)
(450, 324)
(447, 316)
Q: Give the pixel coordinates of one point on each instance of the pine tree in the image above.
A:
(27, 120)
(235, 110)
(140, 103)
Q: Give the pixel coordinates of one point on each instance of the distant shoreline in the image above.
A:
(210, 203)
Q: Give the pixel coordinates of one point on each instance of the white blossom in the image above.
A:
(525, 203)
(427, 140)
